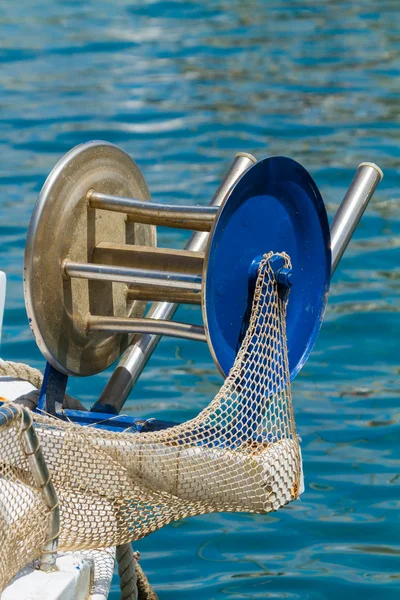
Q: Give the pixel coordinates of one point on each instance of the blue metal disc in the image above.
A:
(275, 206)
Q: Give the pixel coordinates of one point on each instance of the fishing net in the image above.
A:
(24, 517)
(241, 453)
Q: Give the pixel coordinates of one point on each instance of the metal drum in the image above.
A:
(92, 264)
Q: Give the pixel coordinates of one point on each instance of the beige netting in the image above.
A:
(23, 514)
(241, 453)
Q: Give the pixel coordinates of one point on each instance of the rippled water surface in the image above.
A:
(182, 86)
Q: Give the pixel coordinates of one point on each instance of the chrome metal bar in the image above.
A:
(199, 218)
(162, 295)
(185, 331)
(41, 477)
(145, 257)
(152, 279)
(136, 356)
(352, 208)
(8, 413)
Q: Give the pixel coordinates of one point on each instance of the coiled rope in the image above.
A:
(21, 371)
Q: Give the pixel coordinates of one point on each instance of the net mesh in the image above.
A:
(241, 453)
(23, 515)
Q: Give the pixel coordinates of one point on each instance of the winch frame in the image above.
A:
(97, 196)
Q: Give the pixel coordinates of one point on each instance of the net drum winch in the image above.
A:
(259, 263)
(92, 263)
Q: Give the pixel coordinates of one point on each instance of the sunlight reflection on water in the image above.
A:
(182, 86)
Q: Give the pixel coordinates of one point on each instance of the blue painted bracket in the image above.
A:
(52, 394)
(112, 422)
(53, 389)
(42, 394)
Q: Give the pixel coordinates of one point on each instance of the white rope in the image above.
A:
(21, 371)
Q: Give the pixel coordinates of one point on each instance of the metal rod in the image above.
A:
(135, 357)
(152, 279)
(43, 481)
(146, 294)
(352, 208)
(41, 476)
(199, 218)
(8, 412)
(185, 331)
(145, 257)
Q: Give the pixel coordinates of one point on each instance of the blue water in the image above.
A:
(182, 86)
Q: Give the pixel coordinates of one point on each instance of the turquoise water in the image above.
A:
(182, 86)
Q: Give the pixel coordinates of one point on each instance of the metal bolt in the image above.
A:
(285, 277)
